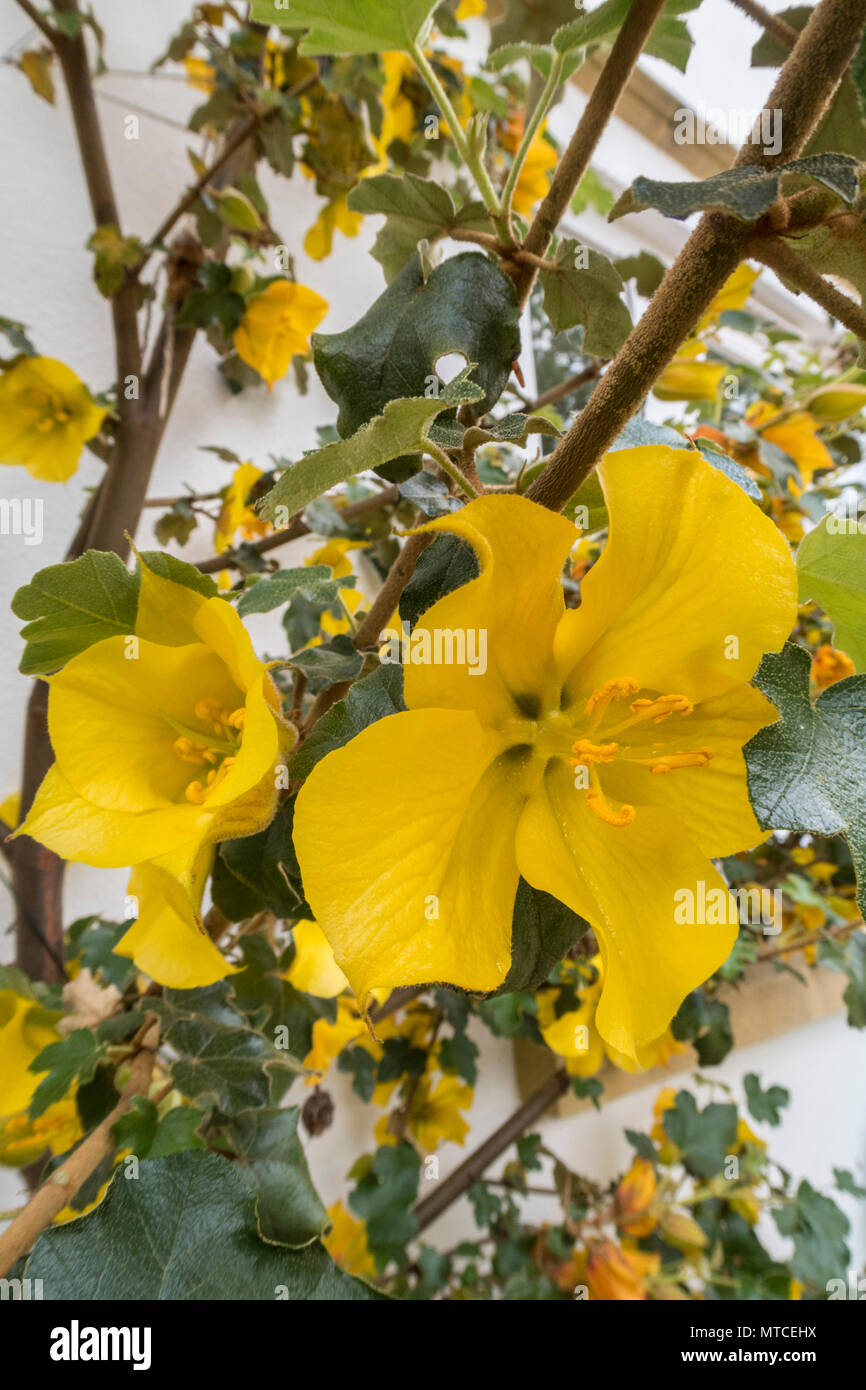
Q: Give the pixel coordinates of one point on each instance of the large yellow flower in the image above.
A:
(276, 327)
(25, 1029)
(46, 417)
(796, 435)
(164, 745)
(599, 755)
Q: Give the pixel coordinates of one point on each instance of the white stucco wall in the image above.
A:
(45, 279)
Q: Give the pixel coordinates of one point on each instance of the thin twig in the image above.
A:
(783, 259)
(429, 1209)
(773, 24)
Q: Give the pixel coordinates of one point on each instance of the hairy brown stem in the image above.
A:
(472, 1168)
(61, 1186)
(803, 91)
(780, 257)
(574, 163)
(773, 24)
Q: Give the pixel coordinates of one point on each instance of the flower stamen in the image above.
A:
(618, 689)
(585, 751)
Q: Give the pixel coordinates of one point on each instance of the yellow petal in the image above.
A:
(314, 970)
(167, 941)
(415, 887)
(623, 880)
(685, 380)
(694, 585)
(277, 325)
(516, 603)
(108, 726)
(80, 831)
(712, 801)
(25, 1029)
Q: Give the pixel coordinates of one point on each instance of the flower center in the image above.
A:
(588, 752)
(218, 749)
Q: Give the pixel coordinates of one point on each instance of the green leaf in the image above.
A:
(646, 270)
(746, 192)
(349, 26)
(831, 565)
(765, 1105)
(444, 566)
(68, 607)
(532, 23)
(186, 1230)
(589, 296)
(704, 1137)
(458, 1054)
(313, 580)
(266, 865)
(542, 930)
(846, 1182)
(179, 572)
(73, 1059)
(401, 429)
(271, 1160)
(808, 771)
(375, 697)
(329, 663)
(706, 1024)
(272, 1004)
(819, 1229)
(221, 1061)
(466, 305)
(384, 1197)
(849, 958)
(416, 209)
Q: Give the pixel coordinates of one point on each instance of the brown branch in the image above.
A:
(380, 611)
(602, 103)
(773, 24)
(429, 1209)
(61, 1186)
(780, 257)
(803, 91)
(565, 388)
(230, 559)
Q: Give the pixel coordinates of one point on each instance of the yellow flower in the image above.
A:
(25, 1029)
(830, 665)
(346, 1243)
(633, 1197)
(276, 327)
(10, 810)
(434, 1114)
(604, 744)
(235, 514)
(46, 417)
(335, 216)
(329, 1039)
(686, 379)
(533, 181)
(797, 436)
(163, 745)
(468, 9)
(732, 295)
(314, 970)
(683, 1232)
(615, 1274)
(200, 74)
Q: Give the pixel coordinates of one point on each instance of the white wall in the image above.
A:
(46, 281)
